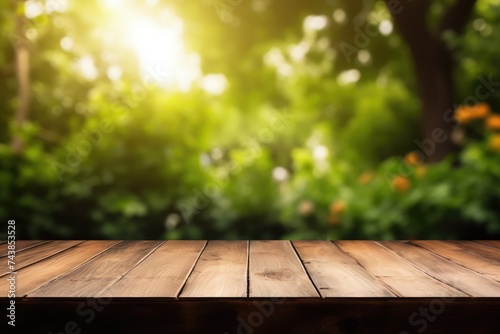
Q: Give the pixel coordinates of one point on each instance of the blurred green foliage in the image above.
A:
(302, 144)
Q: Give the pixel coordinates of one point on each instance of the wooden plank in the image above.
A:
(162, 274)
(36, 275)
(221, 271)
(38, 253)
(21, 245)
(492, 243)
(398, 275)
(457, 254)
(446, 271)
(95, 276)
(479, 248)
(276, 271)
(335, 274)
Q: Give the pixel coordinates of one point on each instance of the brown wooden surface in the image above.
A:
(221, 271)
(256, 269)
(335, 274)
(162, 274)
(400, 276)
(20, 246)
(228, 287)
(492, 243)
(460, 255)
(33, 277)
(480, 249)
(95, 276)
(35, 254)
(276, 271)
(446, 271)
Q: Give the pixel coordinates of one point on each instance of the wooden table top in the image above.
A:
(260, 287)
(245, 269)
(253, 269)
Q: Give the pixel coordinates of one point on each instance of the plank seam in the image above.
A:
(465, 249)
(488, 245)
(248, 268)
(74, 268)
(177, 295)
(479, 253)
(125, 274)
(458, 264)
(420, 269)
(42, 242)
(47, 257)
(71, 270)
(388, 287)
(304, 268)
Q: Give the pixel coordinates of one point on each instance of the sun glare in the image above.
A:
(161, 52)
(113, 4)
(159, 46)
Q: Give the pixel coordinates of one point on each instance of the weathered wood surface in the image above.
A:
(256, 269)
(256, 286)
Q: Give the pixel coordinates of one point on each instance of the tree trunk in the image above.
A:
(433, 65)
(434, 77)
(23, 83)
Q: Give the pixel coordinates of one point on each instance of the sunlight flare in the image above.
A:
(162, 54)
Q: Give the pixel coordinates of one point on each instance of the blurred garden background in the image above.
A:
(250, 119)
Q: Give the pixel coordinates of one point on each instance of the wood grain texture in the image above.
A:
(34, 276)
(21, 245)
(276, 271)
(460, 255)
(95, 276)
(221, 271)
(492, 243)
(397, 274)
(335, 274)
(480, 249)
(162, 274)
(446, 271)
(38, 253)
(242, 270)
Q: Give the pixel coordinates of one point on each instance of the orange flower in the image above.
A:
(421, 171)
(365, 178)
(465, 114)
(482, 110)
(494, 143)
(413, 158)
(337, 207)
(493, 122)
(401, 183)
